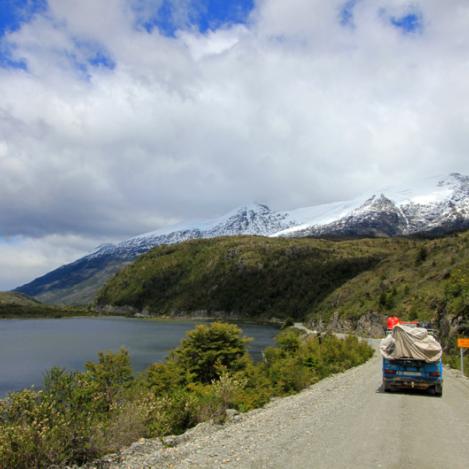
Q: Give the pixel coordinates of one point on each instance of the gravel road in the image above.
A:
(344, 421)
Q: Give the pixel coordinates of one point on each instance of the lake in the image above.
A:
(29, 347)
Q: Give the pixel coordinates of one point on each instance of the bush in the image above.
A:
(34, 432)
(61, 424)
(257, 389)
(163, 378)
(422, 255)
(291, 369)
(127, 423)
(79, 416)
(208, 349)
(108, 379)
(288, 340)
(288, 375)
(172, 413)
(212, 400)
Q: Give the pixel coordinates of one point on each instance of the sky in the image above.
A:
(119, 117)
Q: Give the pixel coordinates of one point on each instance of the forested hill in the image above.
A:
(343, 283)
(426, 280)
(251, 277)
(17, 305)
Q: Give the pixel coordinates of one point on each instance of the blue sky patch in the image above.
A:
(95, 54)
(92, 54)
(13, 13)
(410, 23)
(100, 59)
(7, 60)
(346, 13)
(199, 14)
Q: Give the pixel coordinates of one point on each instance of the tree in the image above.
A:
(109, 377)
(208, 350)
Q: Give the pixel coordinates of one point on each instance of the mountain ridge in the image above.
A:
(439, 206)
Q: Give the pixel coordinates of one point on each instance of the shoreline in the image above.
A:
(128, 331)
(164, 318)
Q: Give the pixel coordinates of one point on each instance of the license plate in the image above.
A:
(409, 373)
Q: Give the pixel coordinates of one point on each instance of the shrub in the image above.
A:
(257, 389)
(127, 423)
(172, 413)
(61, 424)
(34, 433)
(291, 369)
(288, 340)
(207, 348)
(109, 378)
(213, 399)
(79, 416)
(288, 375)
(422, 254)
(163, 378)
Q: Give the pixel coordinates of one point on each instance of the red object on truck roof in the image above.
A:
(392, 321)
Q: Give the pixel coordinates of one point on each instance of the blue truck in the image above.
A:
(407, 373)
(401, 370)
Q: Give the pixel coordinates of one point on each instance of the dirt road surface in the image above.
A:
(345, 421)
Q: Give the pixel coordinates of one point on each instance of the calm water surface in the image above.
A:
(29, 347)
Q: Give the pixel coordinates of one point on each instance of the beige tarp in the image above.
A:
(410, 342)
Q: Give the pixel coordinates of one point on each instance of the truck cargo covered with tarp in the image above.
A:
(410, 342)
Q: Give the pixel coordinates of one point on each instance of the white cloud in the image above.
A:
(23, 259)
(291, 109)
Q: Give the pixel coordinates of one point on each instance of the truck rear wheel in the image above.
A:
(386, 387)
(438, 390)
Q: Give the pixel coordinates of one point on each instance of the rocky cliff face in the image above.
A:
(371, 324)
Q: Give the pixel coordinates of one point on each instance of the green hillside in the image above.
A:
(426, 280)
(17, 305)
(13, 298)
(251, 277)
(304, 279)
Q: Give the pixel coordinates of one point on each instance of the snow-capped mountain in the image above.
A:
(253, 219)
(435, 206)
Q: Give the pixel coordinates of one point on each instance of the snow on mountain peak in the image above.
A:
(254, 207)
(436, 203)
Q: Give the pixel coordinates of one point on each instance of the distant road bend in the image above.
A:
(344, 421)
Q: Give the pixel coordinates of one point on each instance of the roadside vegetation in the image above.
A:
(79, 416)
(426, 280)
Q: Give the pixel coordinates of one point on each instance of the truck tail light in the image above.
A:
(435, 374)
(389, 372)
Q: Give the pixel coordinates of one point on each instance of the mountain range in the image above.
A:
(435, 206)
